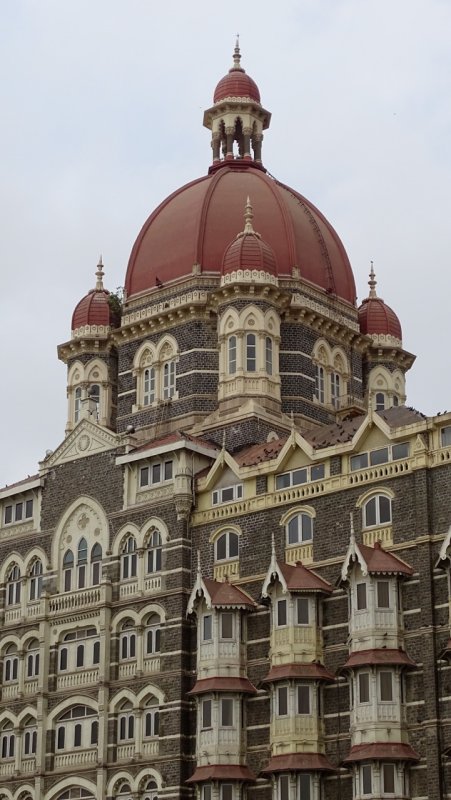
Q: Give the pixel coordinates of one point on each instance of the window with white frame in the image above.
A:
(361, 597)
(154, 551)
(150, 790)
(79, 649)
(207, 628)
(363, 682)
(227, 494)
(335, 389)
(251, 352)
(152, 634)
(75, 793)
(169, 379)
(377, 511)
(156, 372)
(82, 561)
(383, 594)
(77, 403)
(123, 791)
(282, 701)
(207, 791)
(35, 580)
(366, 779)
(268, 355)
(445, 436)
(29, 738)
(226, 625)
(386, 686)
(7, 741)
(151, 719)
(32, 660)
(129, 558)
(331, 374)
(281, 615)
(231, 355)
(381, 455)
(77, 728)
(319, 384)
(296, 477)
(388, 778)
(226, 712)
(85, 570)
(380, 401)
(126, 722)
(149, 387)
(155, 473)
(302, 611)
(11, 664)
(13, 586)
(226, 546)
(206, 713)
(299, 529)
(127, 641)
(96, 564)
(18, 511)
(226, 791)
(303, 699)
(68, 568)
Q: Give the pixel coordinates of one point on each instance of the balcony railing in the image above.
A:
(76, 758)
(70, 601)
(71, 680)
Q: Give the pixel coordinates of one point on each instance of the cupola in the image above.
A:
(249, 257)
(377, 319)
(94, 314)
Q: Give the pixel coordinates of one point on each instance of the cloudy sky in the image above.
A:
(101, 117)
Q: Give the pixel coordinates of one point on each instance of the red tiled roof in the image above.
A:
(379, 561)
(257, 453)
(93, 309)
(380, 656)
(236, 84)
(397, 416)
(234, 772)
(226, 594)
(312, 671)
(299, 762)
(337, 433)
(171, 438)
(390, 751)
(220, 684)
(375, 316)
(298, 577)
(249, 251)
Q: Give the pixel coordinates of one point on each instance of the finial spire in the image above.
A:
(372, 282)
(248, 217)
(99, 275)
(237, 54)
(352, 536)
(198, 563)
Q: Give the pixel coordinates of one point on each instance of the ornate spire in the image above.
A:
(99, 275)
(372, 282)
(248, 217)
(237, 55)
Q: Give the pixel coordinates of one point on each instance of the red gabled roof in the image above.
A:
(258, 453)
(177, 436)
(300, 578)
(309, 671)
(218, 772)
(379, 561)
(387, 751)
(220, 684)
(299, 762)
(226, 594)
(19, 483)
(380, 656)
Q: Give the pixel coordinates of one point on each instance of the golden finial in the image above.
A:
(372, 282)
(99, 275)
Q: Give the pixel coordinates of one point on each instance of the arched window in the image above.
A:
(7, 741)
(68, 566)
(152, 635)
(380, 401)
(126, 722)
(29, 738)
(150, 790)
(82, 559)
(377, 511)
(123, 792)
(77, 404)
(251, 352)
(77, 727)
(300, 529)
(75, 793)
(148, 386)
(32, 662)
(335, 389)
(151, 719)
(226, 547)
(231, 355)
(11, 665)
(13, 584)
(94, 397)
(154, 552)
(96, 564)
(35, 581)
(127, 641)
(268, 355)
(169, 379)
(128, 558)
(319, 383)
(79, 649)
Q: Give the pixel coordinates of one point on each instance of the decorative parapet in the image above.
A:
(382, 535)
(230, 569)
(196, 298)
(249, 276)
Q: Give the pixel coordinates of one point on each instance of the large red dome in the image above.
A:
(196, 223)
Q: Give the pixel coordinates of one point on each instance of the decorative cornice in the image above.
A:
(249, 276)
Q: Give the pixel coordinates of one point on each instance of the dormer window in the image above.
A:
(445, 436)
(382, 455)
(18, 511)
(155, 473)
(299, 476)
(228, 494)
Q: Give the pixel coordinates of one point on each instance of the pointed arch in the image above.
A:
(84, 518)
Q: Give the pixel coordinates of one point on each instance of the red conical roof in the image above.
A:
(236, 83)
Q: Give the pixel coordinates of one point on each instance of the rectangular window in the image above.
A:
(268, 349)
(206, 713)
(386, 684)
(317, 472)
(366, 776)
(284, 787)
(19, 512)
(304, 699)
(299, 476)
(156, 473)
(383, 594)
(379, 456)
(206, 791)
(144, 476)
(226, 625)
(28, 509)
(359, 462)
(388, 778)
(226, 791)
(400, 451)
(251, 352)
(364, 687)
(207, 629)
(446, 436)
(304, 787)
(8, 514)
(361, 596)
(227, 494)
(167, 470)
(281, 613)
(302, 609)
(282, 701)
(227, 712)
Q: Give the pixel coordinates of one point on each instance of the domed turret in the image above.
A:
(236, 85)
(94, 313)
(248, 254)
(376, 318)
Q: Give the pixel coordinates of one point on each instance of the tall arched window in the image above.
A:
(169, 379)
(68, 567)
(13, 584)
(380, 401)
(299, 529)
(226, 547)
(377, 511)
(75, 793)
(126, 722)
(82, 560)
(127, 641)
(268, 355)
(94, 396)
(152, 635)
(128, 558)
(149, 386)
(319, 383)
(150, 790)
(335, 389)
(77, 727)
(96, 563)
(11, 664)
(77, 404)
(251, 352)
(35, 581)
(151, 719)
(154, 552)
(231, 355)
(7, 741)
(29, 738)
(32, 663)
(123, 791)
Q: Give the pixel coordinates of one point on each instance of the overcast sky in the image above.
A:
(101, 117)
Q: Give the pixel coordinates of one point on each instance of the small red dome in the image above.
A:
(93, 309)
(236, 84)
(248, 251)
(375, 317)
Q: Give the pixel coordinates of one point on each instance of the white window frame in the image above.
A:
(236, 490)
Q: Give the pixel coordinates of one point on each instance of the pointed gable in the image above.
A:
(373, 561)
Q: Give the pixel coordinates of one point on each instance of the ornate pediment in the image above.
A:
(87, 439)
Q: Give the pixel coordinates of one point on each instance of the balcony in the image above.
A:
(28, 765)
(229, 569)
(31, 687)
(74, 601)
(151, 664)
(127, 670)
(13, 615)
(300, 552)
(77, 758)
(128, 589)
(10, 690)
(7, 767)
(151, 747)
(83, 677)
(125, 752)
(382, 535)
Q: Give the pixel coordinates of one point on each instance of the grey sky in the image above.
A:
(101, 107)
